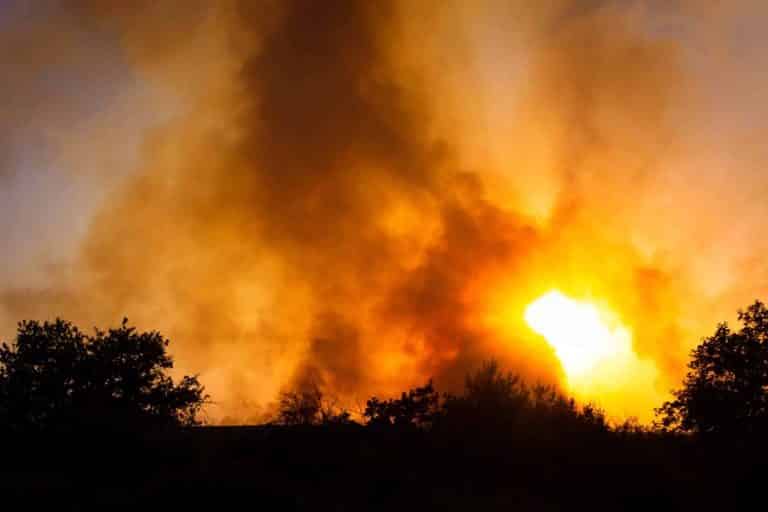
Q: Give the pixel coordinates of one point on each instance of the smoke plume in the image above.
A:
(369, 193)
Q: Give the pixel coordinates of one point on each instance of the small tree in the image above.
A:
(418, 408)
(726, 388)
(301, 407)
(308, 406)
(55, 376)
(491, 398)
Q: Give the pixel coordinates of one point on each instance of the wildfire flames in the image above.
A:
(594, 348)
(579, 333)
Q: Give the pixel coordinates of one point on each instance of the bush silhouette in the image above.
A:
(416, 408)
(308, 406)
(492, 402)
(56, 377)
(499, 403)
(726, 388)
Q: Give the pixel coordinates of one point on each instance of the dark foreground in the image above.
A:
(352, 468)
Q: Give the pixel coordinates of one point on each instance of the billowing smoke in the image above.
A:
(364, 193)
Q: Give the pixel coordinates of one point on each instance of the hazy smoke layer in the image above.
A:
(343, 190)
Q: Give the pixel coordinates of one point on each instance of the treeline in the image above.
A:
(94, 421)
(54, 377)
(493, 401)
(725, 391)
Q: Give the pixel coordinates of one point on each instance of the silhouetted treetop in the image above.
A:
(503, 403)
(55, 376)
(417, 408)
(726, 387)
(492, 403)
(306, 405)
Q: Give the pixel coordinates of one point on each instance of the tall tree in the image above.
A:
(726, 387)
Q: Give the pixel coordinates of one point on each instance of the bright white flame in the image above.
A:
(578, 332)
(597, 355)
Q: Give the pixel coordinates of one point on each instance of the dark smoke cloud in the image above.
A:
(303, 218)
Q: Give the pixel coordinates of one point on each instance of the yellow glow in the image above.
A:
(596, 353)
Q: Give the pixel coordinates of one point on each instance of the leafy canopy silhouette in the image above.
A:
(56, 377)
(306, 405)
(726, 387)
(495, 400)
(418, 408)
(492, 402)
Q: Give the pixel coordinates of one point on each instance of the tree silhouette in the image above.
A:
(495, 401)
(491, 398)
(726, 388)
(417, 408)
(308, 406)
(301, 407)
(492, 402)
(54, 376)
